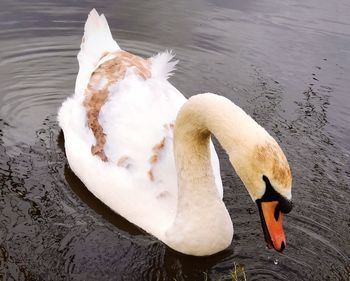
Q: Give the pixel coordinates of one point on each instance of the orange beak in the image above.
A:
(271, 220)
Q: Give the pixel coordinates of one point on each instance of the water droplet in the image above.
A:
(275, 261)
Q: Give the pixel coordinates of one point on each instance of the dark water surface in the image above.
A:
(287, 63)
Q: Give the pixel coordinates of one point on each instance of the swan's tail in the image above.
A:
(162, 65)
(97, 42)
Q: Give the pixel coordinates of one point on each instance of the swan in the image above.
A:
(145, 150)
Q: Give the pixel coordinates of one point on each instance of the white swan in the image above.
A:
(145, 151)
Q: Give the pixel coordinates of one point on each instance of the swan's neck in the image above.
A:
(201, 214)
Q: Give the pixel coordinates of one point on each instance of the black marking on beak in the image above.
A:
(285, 205)
(277, 212)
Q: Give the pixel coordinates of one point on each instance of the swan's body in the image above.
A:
(133, 170)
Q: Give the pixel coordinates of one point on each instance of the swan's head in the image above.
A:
(265, 172)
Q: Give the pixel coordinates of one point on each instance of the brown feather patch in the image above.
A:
(272, 155)
(123, 162)
(97, 91)
(150, 175)
(155, 156)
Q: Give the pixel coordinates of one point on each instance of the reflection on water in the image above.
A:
(285, 62)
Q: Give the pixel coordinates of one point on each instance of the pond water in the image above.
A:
(287, 63)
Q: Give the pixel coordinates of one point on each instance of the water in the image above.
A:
(287, 63)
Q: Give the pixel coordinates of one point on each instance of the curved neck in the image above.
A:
(200, 207)
(200, 117)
